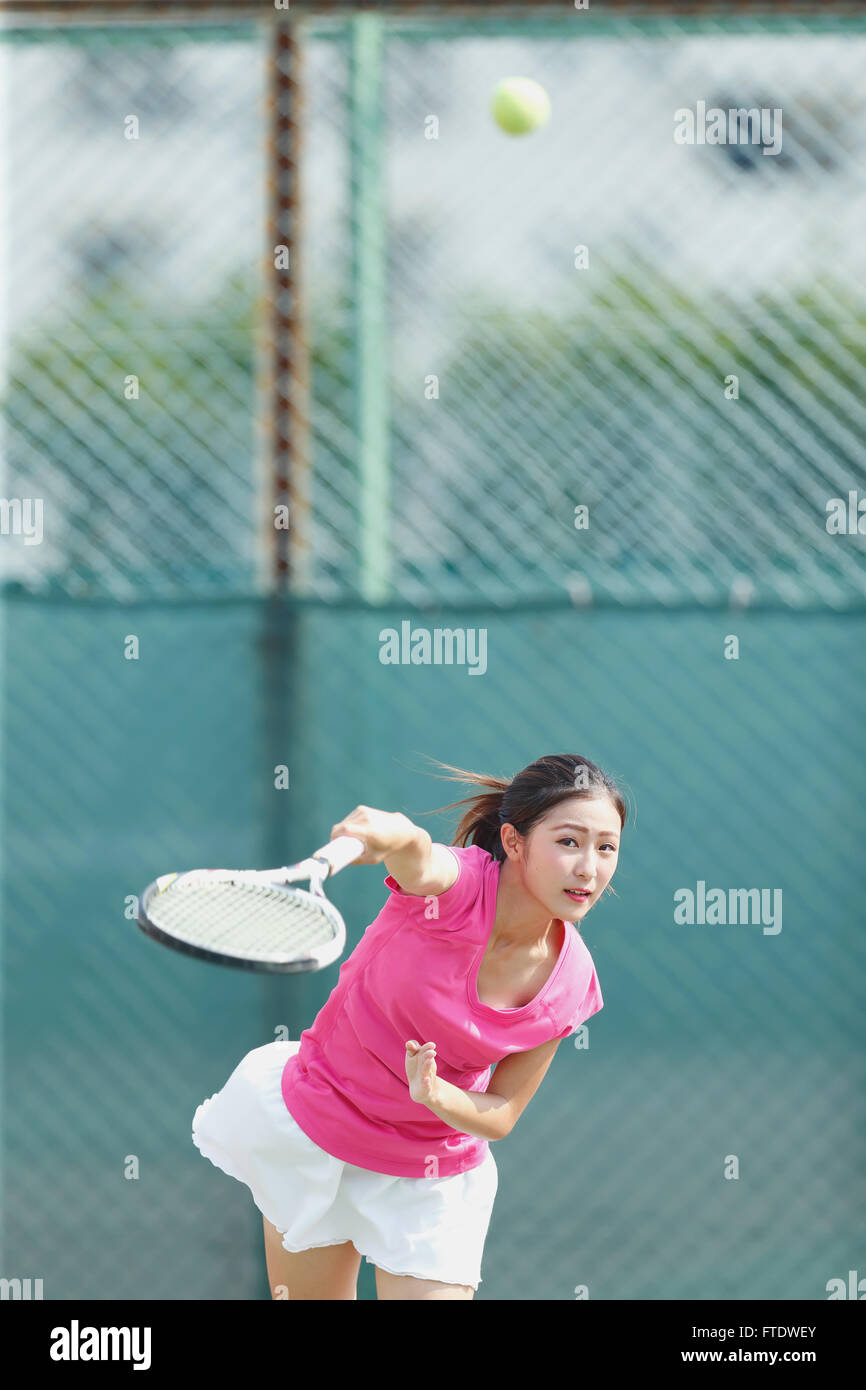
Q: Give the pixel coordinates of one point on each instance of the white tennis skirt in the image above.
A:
(432, 1228)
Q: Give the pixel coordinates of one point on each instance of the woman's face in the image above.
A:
(574, 847)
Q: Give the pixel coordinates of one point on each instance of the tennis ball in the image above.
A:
(519, 105)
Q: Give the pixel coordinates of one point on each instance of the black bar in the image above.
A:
(193, 1339)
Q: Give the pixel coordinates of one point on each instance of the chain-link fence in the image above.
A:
(669, 335)
(552, 382)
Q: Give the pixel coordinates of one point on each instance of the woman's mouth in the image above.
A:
(578, 895)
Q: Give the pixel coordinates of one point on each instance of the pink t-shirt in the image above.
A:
(413, 975)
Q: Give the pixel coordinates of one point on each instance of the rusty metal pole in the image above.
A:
(289, 811)
(290, 385)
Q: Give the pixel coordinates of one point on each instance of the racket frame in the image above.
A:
(327, 860)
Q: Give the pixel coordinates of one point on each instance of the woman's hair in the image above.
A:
(527, 797)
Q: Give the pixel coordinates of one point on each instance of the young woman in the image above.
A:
(371, 1136)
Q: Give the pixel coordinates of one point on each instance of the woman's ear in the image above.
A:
(510, 841)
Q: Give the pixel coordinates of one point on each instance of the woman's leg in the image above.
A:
(330, 1272)
(406, 1286)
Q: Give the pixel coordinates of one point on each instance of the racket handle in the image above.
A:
(344, 850)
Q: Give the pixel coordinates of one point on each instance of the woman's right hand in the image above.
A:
(383, 832)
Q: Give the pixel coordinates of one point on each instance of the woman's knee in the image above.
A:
(407, 1286)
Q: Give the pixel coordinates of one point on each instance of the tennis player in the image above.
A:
(371, 1135)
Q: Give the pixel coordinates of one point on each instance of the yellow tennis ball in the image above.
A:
(519, 105)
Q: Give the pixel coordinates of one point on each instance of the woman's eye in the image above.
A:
(570, 841)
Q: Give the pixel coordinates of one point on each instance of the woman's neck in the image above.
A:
(520, 920)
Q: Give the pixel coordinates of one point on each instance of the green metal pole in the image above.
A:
(368, 230)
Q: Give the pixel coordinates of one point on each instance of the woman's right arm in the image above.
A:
(421, 868)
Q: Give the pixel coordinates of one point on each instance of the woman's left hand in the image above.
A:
(421, 1070)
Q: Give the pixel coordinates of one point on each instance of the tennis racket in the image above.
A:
(253, 919)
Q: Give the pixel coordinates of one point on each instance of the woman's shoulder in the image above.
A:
(576, 994)
(449, 909)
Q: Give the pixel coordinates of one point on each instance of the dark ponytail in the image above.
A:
(526, 797)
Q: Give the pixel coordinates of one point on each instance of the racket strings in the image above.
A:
(251, 921)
